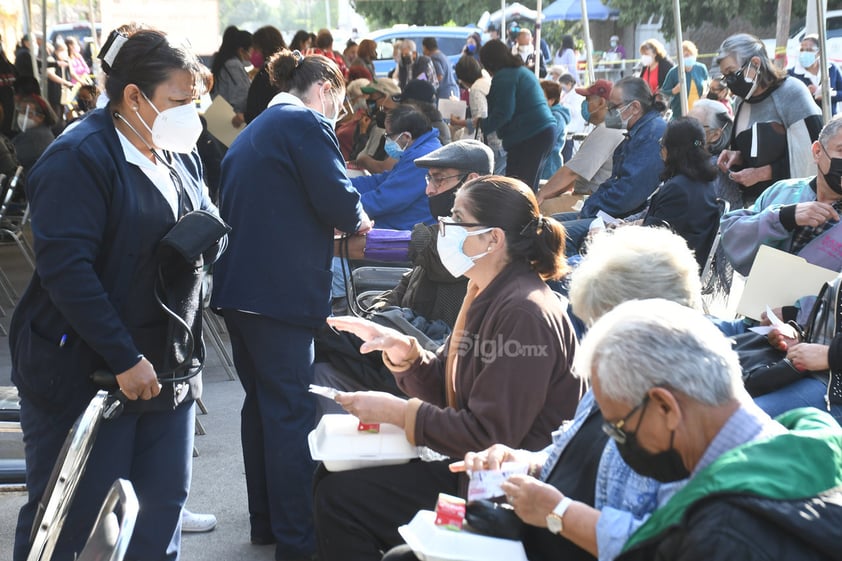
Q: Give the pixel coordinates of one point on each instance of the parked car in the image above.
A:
(793, 45)
(451, 40)
(81, 31)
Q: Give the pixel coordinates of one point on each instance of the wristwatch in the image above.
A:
(554, 519)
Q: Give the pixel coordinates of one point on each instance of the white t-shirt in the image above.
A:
(594, 160)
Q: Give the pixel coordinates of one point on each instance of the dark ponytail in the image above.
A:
(290, 71)
(508, 204)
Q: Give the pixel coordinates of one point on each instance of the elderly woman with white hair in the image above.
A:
(776, 119)
(670, 390)
(718, 125)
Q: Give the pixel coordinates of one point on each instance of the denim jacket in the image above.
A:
(636, 171)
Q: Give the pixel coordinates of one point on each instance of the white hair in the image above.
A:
(643, 344)
(634, 262)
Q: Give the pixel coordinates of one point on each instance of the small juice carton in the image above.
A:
(450, 512)
(368, 427)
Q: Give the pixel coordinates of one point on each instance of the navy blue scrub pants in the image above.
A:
(153, 450)
(274, 362)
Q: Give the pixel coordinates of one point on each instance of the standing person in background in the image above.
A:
(411, 66)
(808, 70)
(566, 57)
(444, 72)
(324, 46)
(300, 41)
(266, 41)
(283, 178)
(366, 53)
(23, 57)
(230, 79)
(8, 78)
(552, 91)
(469, 73)
(518, 113)
(473, 44)
(525, 48)
(654, 64)
(616, 47)
(79, 70)
(571, 99)
(696, 75)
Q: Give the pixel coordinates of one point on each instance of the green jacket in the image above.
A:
(803, 463)
(517, 108)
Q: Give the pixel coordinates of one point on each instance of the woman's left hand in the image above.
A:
(809, 356)
(532, 500)
(374, 407)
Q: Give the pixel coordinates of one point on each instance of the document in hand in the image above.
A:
(779, 279)
(219, 116)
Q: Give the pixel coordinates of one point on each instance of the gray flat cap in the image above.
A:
(466, 155)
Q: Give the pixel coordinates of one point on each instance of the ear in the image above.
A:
(497, 237)
(816, 149)
(665, 406)
(132, 96)
(471, 176)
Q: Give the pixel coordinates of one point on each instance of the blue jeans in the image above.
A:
(576, 229)
(806, 392)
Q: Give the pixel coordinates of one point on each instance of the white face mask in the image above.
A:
(336, 109)
(646, 60)
(25, 123)
(450, 251)
(175, 129)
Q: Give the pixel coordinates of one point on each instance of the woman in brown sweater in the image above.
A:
(503, 375)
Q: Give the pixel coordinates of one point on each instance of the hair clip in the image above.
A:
(298, 57)
(111, 48)
(697, 143)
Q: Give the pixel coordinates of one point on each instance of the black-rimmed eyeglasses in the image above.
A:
(445, 222)
(617, 430)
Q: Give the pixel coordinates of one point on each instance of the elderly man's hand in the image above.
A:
(728, 158)
(809, 356)
(532, 500)
(751, 176)
(814, 214)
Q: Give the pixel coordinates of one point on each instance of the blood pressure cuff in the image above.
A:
(196, 232)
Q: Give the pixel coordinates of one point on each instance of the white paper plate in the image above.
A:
(340, 446)
(432, 543)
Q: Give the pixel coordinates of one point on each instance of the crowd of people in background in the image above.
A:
(329, 149)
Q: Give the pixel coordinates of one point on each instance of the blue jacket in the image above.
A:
(396, 199)
(636, 171)
(284, 190)
(96, 222)
(834, 76)
(517, 107)
(562, 119)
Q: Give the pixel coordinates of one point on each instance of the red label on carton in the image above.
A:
(368, 427)
(450, 512)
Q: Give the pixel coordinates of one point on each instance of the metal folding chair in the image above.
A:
(12, 226)
(114, 526)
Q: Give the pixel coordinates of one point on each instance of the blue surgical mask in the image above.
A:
(689, 61)
(586, 113)
(393, 149)
(450, 249)
(807, 58)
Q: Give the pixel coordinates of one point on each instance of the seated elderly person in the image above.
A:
(799, 216)
(473, 391)
(591, 165)
(670, 389)
(637, 162)
(395, 199)
(609, 500)
(718, 125)
(372, 157)
(35, 119)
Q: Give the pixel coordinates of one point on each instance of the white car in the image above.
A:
(793, 45)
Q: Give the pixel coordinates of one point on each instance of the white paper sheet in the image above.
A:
(219, 116)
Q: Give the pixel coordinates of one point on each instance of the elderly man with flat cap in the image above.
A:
(670, 389)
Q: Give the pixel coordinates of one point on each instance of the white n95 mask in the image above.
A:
(449, 244)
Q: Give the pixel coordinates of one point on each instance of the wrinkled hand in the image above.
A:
(814, 213)
(808, 356)
(139, 381)
(532, 500)
(374, 407)
(375, 337)
(366, 224)
(493, 457)
(238, 120)
(783, 337)
(728, 158)
(751, 176)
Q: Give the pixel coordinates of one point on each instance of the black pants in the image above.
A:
(358, 512)
(526, 159)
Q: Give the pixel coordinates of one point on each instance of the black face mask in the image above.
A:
(380, 119)
(663, 466)
(713, 95)
(406, 60)
(84, 105)
(442, 203)
(833, 177)
(737, 84)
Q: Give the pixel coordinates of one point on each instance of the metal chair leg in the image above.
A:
(212, 329)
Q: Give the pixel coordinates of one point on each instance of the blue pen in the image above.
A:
(63, 340)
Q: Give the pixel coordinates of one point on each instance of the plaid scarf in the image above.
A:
(802, 235)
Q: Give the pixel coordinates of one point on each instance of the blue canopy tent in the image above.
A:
(571, 10)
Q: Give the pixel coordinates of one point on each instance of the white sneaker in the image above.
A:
(192, 522)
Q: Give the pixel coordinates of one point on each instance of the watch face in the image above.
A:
(553, 523)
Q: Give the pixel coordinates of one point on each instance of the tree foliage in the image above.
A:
(694, 14)
(426, 12)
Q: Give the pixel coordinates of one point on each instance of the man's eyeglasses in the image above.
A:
(437, 181)
(445, 222)
(612, 106)
(616, 430)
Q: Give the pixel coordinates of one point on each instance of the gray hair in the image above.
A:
(632, 263)
(715, 116)
(744, 46)
(409, 44)
(644, 344)
(830, 130)
(633, 88)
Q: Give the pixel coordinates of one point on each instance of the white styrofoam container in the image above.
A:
(433, 543)
(338, 444)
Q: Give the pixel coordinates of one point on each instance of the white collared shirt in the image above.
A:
(286, 97)
(157, 173)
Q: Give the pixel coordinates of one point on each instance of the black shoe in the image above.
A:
(262, 540)
(312, 557)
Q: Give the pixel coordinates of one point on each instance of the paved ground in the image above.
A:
(218, 478)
